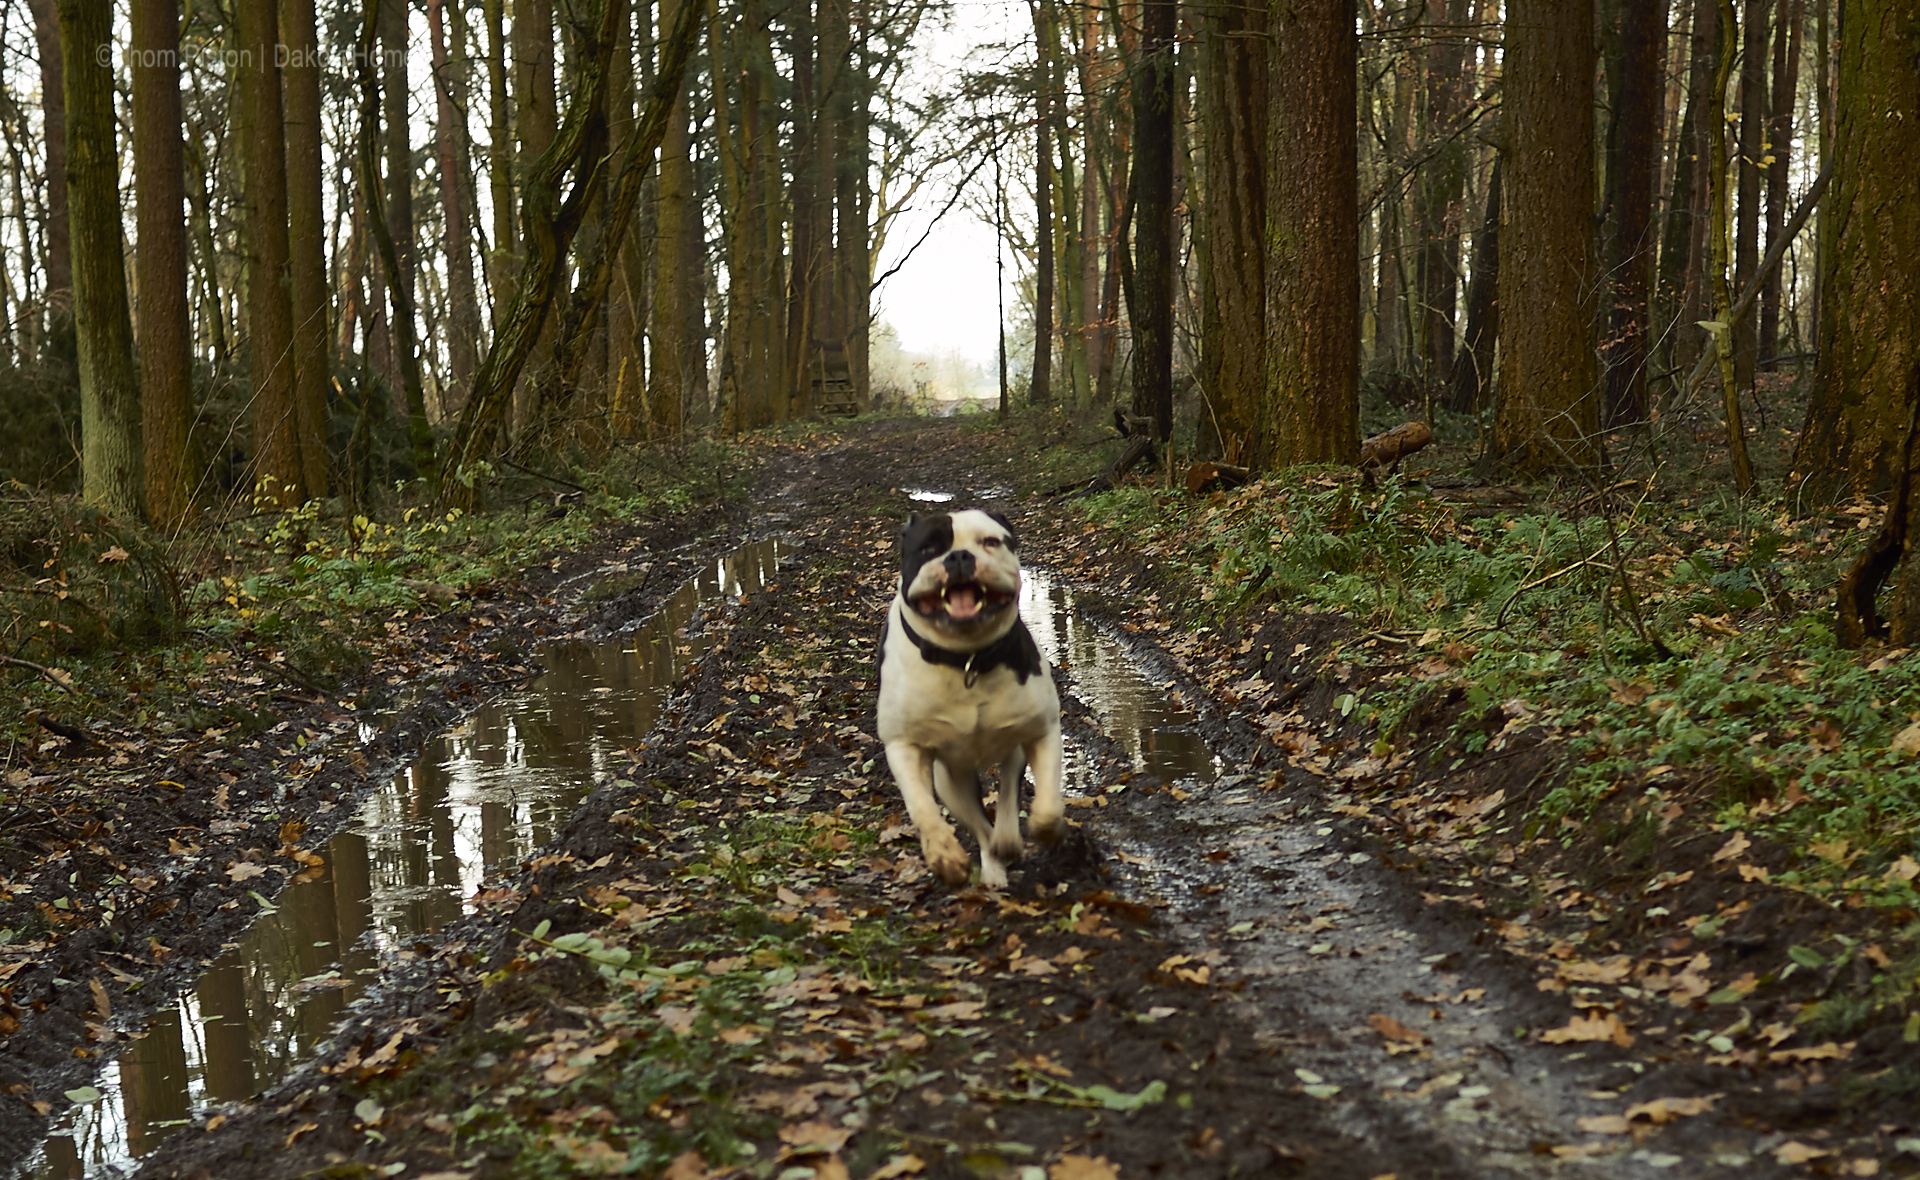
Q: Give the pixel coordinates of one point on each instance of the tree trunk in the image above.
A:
(1633, 144)
(1473, 376)
(166, 348)
(1548, 415)
(1151, 306)
(499, 164)
(853, 268)
(58, 292)
(1439, 197)
(103, 330)
(405, 353)
(1786, 78)
(1313, 237)
(263, 152)
(1039, 389)
(1092, 142)
(668, 385)
(1724, 326)
(802, 193)
(550, 225)
(402, 324)
(1682, 252)
(1233, 122)
(1748, 166)
(306, 241)
(463, 340)
(1859, 411)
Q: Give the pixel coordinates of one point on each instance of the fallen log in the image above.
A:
(1140, 447)
(1388, 448)
(1206, 476)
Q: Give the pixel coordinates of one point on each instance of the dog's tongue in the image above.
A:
(963, 602)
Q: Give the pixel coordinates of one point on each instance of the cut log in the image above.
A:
(1387, 449)
(1205, 477)
(1140, 447)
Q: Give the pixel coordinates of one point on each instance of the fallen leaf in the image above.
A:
(1904, 869)
(1591, 1026)
(1393, 1030)
(688, 1165)
(1907, 741)
(300, 1130)
(1609, 970)
(814, 1138)
(1080, 1167)
(1732, 848)
(679, 1020)
(1795, 1152)
(1665, 1110)
(245, 870)
(1826, 1052)
(1604, 1124)
(899, 1165)
(113, 553)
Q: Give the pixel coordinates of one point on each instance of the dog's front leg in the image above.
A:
(1007, 845)
(913, 769)
(1047, 816)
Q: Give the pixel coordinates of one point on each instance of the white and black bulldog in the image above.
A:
(962, 686)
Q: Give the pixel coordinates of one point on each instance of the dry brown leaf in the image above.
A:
(245, 870)
(1604, 1124)
(300, 1130)
(1732, 848)
(1904, 869)
(1795, 1152)
(1665, 1110)
(679, 1020)
(814, 1137)
(1591, 1026)
(1393, 1030)
(1826, 1052)
(1907, 741)
(1608, 970)
(899, 1165)
(1081, 1167)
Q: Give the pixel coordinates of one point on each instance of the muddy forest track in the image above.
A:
(1221, 973)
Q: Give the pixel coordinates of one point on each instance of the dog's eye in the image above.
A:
(991, 542)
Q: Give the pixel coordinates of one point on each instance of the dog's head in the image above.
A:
(960, 572)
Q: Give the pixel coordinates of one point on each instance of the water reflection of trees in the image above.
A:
(482, 798)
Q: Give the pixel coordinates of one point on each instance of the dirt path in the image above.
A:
(731, 960)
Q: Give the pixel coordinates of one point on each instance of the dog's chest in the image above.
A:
(930, 705)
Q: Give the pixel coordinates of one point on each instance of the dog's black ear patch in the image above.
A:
(1013, 538)
(923, 539)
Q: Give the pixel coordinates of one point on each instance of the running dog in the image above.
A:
(962, 686)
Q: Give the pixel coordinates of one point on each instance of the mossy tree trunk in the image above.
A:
(1312, 412)
(109, 386)
(1548, 414)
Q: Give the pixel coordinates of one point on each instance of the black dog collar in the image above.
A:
(1016, 650)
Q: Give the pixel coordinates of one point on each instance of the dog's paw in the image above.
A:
(1048, 828)
(1008, 848)
(952, 871)
(993, 874)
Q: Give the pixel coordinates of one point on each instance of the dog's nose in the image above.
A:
(959, 565)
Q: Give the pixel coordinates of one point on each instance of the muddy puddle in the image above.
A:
(482, 798)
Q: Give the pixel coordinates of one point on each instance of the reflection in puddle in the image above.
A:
(483, 797)
(1156, 733)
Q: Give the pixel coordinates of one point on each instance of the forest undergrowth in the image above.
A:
(1672, 643)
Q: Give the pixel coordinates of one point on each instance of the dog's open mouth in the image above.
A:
(962, 601)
